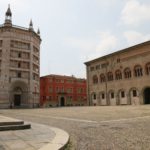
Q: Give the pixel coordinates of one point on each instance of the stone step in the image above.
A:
(15, 127)
(20, 122)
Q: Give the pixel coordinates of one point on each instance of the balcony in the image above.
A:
(14, 79)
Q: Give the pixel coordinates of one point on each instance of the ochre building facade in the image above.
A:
(120, 78)
(19, 65)
(59, 90)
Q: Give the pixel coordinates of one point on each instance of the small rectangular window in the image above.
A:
(19, 74)
(92, 68)
(97, 67)
(19, 55)
(104, 65)
(19, 65)
(118, 60)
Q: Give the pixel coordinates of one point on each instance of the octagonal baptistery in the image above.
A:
(19, 65)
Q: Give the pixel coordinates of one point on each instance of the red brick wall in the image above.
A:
(55, 82)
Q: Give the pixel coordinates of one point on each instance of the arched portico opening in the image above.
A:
(122, 95)
(19, 94)
(147, 95)
(134, 98)
(93, 99)
(111, 97)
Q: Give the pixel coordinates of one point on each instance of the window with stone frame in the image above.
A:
(95, 79)
(118, 60)
(50, 89)
(110, 76)
(69, 90)
(148, 68)
(102, 78)
(92, 68)
(19, 74)
(19, 64)
(104, 65)
(80, 90)
(127, 73)
(97, 67)
(19, 54)
(118, 75)
(138, 71)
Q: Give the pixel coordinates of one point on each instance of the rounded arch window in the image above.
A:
(102, 78)
(147, 67)
(127, 73)
(111, 94)
(138, 71)
(95, 79)
(110, 76)
(118, 75)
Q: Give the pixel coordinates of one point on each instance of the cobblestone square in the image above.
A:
(95, 128)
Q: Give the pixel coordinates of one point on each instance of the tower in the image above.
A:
(19, 65)
(31, 26)
(8, 17)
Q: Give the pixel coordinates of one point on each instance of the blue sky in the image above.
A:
(75, 31)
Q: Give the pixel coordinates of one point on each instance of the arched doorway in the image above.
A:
(62, 101)
(17, 96)
(147, 96)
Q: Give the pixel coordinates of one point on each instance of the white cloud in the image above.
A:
(90, 48)
(134, 37)
(135, 13)
(106, 3)
(83, 44)
(107, 44)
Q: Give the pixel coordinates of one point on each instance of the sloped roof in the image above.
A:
(118, 52)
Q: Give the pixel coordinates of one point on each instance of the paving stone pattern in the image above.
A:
(29, 139)
(95, 128)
